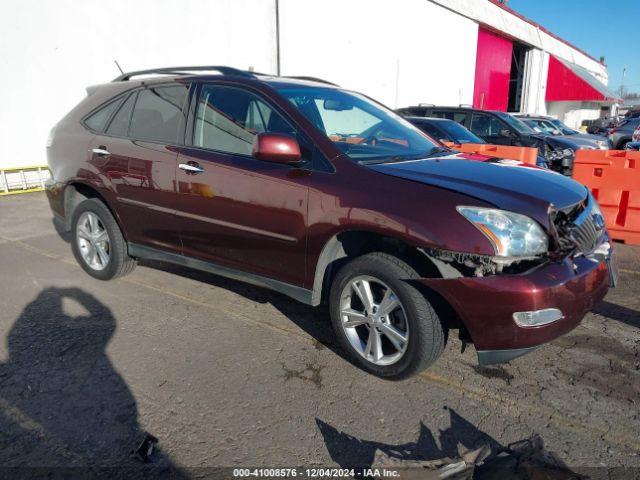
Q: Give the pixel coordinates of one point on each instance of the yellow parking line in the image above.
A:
(501, 403)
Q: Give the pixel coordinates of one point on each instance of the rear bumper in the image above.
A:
(486, 304)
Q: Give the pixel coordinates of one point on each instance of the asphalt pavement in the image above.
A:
(227, 374)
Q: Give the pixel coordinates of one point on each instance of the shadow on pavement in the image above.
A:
(64, 409)
(462, 452)
(351, 452)
(313, 320)
(617, 312)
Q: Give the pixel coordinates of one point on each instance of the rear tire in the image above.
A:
(413, 319)
(97, 242)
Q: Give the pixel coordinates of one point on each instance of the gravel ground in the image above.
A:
(226, 374)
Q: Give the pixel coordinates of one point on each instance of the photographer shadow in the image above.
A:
(62, 403)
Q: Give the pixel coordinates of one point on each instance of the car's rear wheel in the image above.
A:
(384, 322)
(98, 244)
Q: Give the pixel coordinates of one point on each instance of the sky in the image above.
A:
(599, 27)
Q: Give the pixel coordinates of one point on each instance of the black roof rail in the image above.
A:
(313, 79)
(184, 71)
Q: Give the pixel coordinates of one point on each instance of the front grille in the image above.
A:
(582, 228)
(585, 232)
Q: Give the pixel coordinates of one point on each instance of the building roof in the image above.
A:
(537, 25)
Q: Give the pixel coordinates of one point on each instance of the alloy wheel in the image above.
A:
(93, 241)
(374, 320)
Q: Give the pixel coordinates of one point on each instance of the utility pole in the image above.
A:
(624, 72)
(277, 37)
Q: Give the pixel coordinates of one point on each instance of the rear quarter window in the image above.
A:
(98, 120)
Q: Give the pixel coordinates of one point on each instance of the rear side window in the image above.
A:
(157, 113)
(98, 120)
(119, 126)
(460, 117)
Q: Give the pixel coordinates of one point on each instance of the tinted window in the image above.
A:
(98, 120)
(515, 123)
(157, 113)
(458, 133)
(228, 119)
(460, 117)
(119, 126)
(486, 125)
(432, 131)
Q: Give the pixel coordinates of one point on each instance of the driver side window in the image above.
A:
(228, 119)
(486, 125)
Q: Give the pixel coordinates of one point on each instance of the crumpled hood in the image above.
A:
(574, 142)
(507, 184)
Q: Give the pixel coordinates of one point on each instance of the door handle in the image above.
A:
(101, 151)
(191, 167)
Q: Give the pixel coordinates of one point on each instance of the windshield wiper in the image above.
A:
(403, 158)
(438, 151)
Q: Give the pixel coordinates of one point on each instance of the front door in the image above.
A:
(234, 210)
(491, 129)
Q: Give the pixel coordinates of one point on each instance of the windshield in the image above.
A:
(362, 129)
(458, 133)
(563, 128)
(516, 124)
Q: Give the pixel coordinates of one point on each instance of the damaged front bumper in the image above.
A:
(486, 304)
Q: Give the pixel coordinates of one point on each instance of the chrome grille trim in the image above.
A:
(584, 231)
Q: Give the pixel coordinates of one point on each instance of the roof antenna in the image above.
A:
(118, 65)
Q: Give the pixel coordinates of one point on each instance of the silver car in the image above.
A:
(621, 134)
(553, 126)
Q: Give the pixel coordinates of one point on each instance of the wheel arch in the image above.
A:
(348, 244)
(75, 193)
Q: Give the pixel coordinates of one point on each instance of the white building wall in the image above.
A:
(51, 50)
(573, 113)
(400, 53)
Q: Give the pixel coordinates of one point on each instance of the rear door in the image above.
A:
(234, 210)
(137, 155)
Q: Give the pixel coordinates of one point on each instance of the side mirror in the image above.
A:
(505, 132)
(276, 148)
(556, 132)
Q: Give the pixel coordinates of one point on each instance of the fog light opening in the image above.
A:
(535, 318)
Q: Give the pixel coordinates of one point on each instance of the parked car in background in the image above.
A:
(553, 126)
(600, 126)
(445, 130)
(634, 144)
(325, 195)
(621, 134)
(501, 128)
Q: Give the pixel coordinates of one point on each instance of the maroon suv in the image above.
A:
(325, 195)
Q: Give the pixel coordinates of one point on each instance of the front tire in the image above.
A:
(385, 323)
(98, 243)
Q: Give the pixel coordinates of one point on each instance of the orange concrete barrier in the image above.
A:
(614, 178)
(523, 154)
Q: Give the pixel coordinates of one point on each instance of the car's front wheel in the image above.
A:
(98, 243)
(382, 319)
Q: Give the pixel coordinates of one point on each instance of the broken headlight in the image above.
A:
(511, 234)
